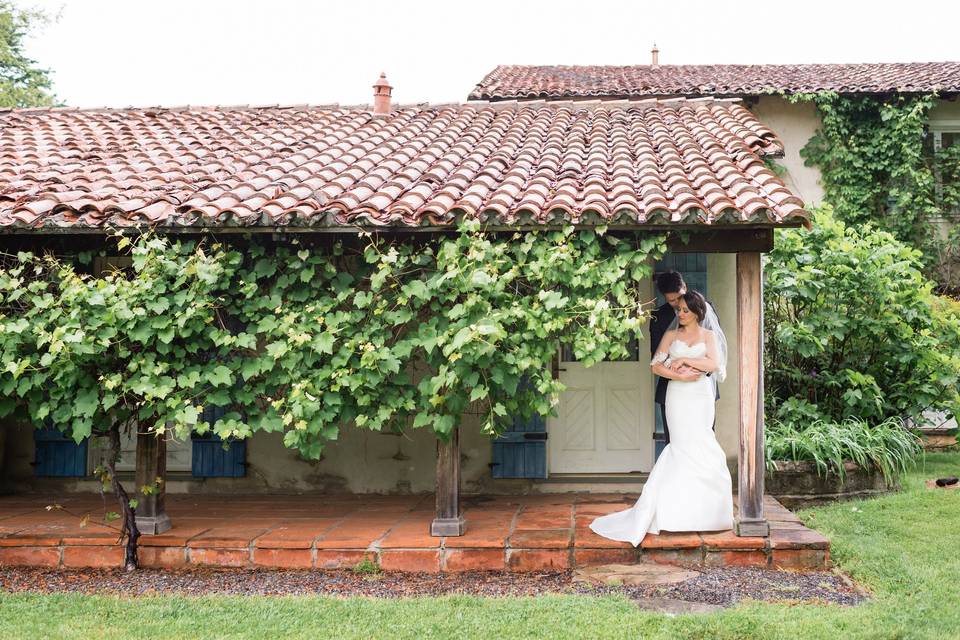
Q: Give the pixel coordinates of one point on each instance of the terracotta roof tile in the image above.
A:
(641, 162)
(508, 82)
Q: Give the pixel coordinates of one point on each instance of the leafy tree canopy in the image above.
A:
(22, 82)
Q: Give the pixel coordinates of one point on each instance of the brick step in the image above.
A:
(416, 559)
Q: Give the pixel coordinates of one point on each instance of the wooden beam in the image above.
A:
(722, 241)
(152, 515)
(751, 521)
(449, 518)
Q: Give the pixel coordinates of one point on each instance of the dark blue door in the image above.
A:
(215, 458)
(693, 267)
(58, 455)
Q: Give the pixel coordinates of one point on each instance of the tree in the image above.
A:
(98, 356)
(22, 83)
(386, 333)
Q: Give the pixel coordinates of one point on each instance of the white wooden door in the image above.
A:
(605, 422)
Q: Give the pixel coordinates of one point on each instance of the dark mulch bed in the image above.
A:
(722, 586)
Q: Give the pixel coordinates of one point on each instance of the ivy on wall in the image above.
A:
(877, 164)
(870, 154)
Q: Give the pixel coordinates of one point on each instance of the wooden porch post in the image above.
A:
(751, 521)
(449, 519)
(152, 515)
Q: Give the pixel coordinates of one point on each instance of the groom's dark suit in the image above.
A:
(660, 321)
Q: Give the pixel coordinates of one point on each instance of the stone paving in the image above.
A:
(512, 533)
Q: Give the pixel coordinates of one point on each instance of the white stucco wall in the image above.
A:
(945, 111)
(794, 124)
(362, 461)
(359, 461)
(722, 285)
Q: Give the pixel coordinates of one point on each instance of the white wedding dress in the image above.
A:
(689, 488)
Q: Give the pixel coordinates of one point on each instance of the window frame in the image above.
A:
(936, 129)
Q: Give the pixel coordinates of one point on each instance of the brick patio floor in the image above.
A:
(515, 533)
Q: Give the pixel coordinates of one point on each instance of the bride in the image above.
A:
(689, 488)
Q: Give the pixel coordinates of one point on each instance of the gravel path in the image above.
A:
(722, 586)
(727, 586)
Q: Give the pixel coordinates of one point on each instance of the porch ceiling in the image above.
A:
(652, 163)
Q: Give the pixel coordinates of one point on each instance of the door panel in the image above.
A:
(521, 451)
(579, 413)
(602, 426)
(623, 429)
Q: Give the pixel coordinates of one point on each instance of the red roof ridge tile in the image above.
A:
(733, 64)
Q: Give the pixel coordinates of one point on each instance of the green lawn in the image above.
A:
(904, 547)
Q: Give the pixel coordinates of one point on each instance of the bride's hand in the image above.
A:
(689, 374)
(678, 363)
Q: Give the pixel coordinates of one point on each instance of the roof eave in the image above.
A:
(353, 229)
(576, 97)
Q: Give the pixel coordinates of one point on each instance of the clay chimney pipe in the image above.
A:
(381, 95)
(655, 56)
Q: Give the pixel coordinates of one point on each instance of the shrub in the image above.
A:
(888, 447)
(854, 330)
(946, 322)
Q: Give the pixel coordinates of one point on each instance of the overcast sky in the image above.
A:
(175, 52)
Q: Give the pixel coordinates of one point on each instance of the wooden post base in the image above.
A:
(753, 528)
(153, 525)
(448, 526)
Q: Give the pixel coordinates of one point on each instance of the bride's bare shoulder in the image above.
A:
(709, 335)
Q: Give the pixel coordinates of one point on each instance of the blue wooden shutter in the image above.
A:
(693, 267)
(215, 458)
(58, 455)
(521, 452)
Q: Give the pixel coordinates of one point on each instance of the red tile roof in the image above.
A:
(631, 163)
(521, 81)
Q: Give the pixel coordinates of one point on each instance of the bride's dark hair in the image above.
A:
(696, 303)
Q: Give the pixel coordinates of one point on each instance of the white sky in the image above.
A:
(174, 52)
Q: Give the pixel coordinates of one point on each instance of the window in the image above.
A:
(944, 137)
(943, 151)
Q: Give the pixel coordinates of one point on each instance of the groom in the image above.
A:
(671, 286)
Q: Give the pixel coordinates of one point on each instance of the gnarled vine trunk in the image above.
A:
(128, 514)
